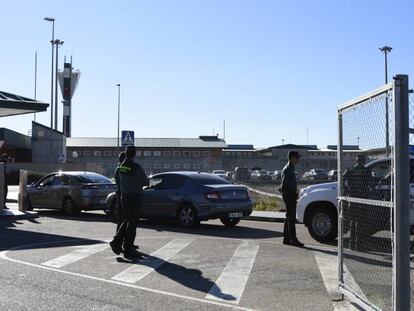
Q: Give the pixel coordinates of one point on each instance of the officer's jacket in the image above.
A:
(289, 185)
(132, 177)
(358, 182)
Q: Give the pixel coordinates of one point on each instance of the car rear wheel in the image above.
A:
(230, 222)
(187, 216)
(69, 207)
(322, 224)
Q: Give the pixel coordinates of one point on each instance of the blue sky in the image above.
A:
(271, 69)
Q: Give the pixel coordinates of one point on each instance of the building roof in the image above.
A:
(15, 139)
(240, 147)
(73, 142)
(11, 104)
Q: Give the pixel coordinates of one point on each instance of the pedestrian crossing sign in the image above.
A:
(127, 138)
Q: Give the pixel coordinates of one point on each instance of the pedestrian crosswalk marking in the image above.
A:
(230, 285)
(78, 254)
(137, 272)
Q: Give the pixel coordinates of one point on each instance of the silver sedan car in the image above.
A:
(70, 192)
(191, 197)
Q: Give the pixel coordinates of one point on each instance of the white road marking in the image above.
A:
(3, 255)
(230, 285)
(328, 266)
(78, 254)
(137, 272)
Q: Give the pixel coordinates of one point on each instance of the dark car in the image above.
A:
(191, 197)
(70, 192)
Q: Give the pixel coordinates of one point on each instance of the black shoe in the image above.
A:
(5, 207)
(116, 248)
(297, 243)
(287, 242)
(135, 246)
(132, 254)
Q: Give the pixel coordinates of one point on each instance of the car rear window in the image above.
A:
(93, 178)
(210, 180)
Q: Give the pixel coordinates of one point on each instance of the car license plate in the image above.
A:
(236, 215)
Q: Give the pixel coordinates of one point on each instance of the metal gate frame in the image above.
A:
(401, 196)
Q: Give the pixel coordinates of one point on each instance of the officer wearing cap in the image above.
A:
(120, 214)
(132, 180)
(290, 195)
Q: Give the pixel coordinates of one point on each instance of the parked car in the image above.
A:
(261, 175)
(317, 206)
(220, 173)
(191, 197)
(277, 175)
(241, 174)
(315, 175)
(333, 175)
(70, 192)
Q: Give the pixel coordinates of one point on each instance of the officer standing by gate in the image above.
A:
(132, 180)
(290, 195)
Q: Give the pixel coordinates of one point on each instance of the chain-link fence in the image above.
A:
(411, 140)
(371, 235)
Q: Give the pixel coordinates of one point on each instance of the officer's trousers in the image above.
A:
(289, 229)
(131, 206)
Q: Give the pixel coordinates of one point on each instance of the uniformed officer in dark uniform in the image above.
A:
(358, 182)
(132, 180)
(120, 214)
(290, 195)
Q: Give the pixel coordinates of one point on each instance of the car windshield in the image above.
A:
(210, 180)
(93, 178)
(219, 172)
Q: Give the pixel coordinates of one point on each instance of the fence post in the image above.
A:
(401, 258)
(339, 157)
(22, 190)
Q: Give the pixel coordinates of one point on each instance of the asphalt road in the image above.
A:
(60, 263)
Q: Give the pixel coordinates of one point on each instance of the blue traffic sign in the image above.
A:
(127, 138)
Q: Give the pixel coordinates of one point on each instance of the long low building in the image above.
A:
(204, 153)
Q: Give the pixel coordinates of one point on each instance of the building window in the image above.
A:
(177, 166)
(156, 153)
(147, 153)
(187, 166)
(196, 166)
(157, 165)
(196, 154)
(87, 153)
(206, 153)
(166, 166)
(97, 153)
(187, 153)
(107, 153)
(166, 153)
(177, 154)
(139, 153)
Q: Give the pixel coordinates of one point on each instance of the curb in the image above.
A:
(264, 218)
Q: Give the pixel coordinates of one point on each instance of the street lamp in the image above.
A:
(119, 109)
(386, 49)
(51, 19)
(358, 140)
(57, 42)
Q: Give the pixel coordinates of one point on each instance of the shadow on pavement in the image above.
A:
(214, 230)
(191, 278)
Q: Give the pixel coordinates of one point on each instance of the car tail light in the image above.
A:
(213, 195)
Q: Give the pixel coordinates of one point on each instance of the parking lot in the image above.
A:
(59, 262)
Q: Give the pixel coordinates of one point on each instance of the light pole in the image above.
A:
(386, 49)
(358, 140)
(57, 42)
(283, 141)
(51, 19)
(119, 110)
